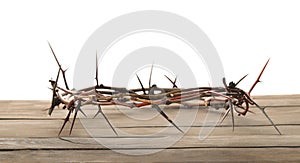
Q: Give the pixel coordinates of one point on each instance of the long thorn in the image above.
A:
(258, 78)
(75, 115)
(165, 116)
(81, 111)
(173, 82)
(65, 121)
(225, 84)
(54, 55)
(169, 79)
(111, 126)
(97, 70)
(54, 102)
(150, 76)
(98, 112)
(230, 103)
(65, 79)
(224, 116)
(144, 91)
(266, 115)
(59, 65)
(232, 116)
(241, 79)
(175, 86)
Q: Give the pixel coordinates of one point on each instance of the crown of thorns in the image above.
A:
(229, 97)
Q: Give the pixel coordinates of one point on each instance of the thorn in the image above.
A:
(81, 111)
(99, 111)
(173, 82)
(258, 78)
(224, 116)
(150, 75)
(232, 116)
(55, 102)
(63, 72)
(165, 116)
(175, 79)
(97, 70)
(241, 79)
(225, 85)
(65, 121)
(144, 91)
(111, 126)
(54, 54)
(75, 115)
(266, 115)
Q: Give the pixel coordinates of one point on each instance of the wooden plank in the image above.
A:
(251, 124)
(140, 142)
(28, 133)
(168, 155)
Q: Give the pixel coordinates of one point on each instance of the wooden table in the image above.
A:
(28, 134)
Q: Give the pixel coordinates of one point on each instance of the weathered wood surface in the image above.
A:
(27, 133)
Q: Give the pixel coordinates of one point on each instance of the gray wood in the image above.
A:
(27, 133)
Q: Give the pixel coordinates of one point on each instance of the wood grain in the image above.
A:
(27, 133)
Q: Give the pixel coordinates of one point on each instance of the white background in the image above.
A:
(245, 34)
